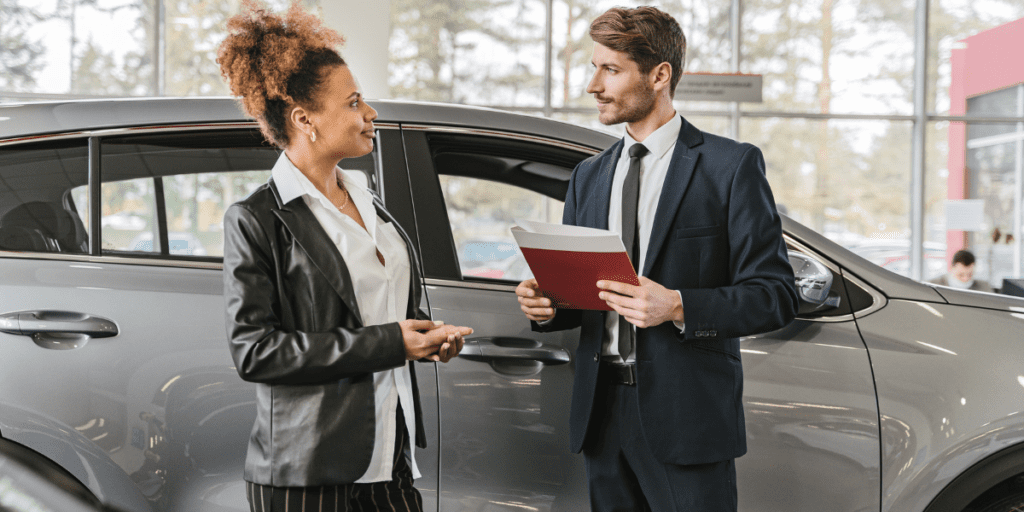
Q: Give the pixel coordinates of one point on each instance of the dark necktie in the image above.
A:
(630, 237)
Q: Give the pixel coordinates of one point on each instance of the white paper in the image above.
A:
(560, 237)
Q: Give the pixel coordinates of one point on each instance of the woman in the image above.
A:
(321, 285)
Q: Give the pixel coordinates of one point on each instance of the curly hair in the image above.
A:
(273, 62)
(648, 35)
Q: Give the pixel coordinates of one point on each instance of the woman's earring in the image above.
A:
(312, 136)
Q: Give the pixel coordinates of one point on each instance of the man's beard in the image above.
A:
(644, 96)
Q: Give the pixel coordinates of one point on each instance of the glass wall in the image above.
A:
(836, 123)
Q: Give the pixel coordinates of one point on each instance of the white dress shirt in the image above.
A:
(653, 169)
(382, 293)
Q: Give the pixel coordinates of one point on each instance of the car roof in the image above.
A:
(19, 120)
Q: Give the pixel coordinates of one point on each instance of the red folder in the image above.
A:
(568, 261)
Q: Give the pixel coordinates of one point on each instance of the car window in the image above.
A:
(166, 194)
(195, 206)
(481, 213)
(488, 183)
(38, 211)
(128, 211)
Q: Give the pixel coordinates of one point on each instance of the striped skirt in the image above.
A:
(398, 495)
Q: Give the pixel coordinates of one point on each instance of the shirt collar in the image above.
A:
(659, 142)
(288, 184)
(292, 183)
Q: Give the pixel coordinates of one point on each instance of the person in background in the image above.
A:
(961, 274)
(321, 285)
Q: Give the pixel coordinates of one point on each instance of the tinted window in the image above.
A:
(481, 213)
(38, 212)
(488, 184)
(166, 194)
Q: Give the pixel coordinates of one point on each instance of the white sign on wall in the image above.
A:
(965, 214)
(719, 87)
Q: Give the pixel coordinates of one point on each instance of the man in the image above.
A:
(656, 406)
(961, 274)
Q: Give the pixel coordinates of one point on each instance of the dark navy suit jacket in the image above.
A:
(717, 238)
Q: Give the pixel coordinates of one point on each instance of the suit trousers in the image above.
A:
(624, 474)
(396, 495)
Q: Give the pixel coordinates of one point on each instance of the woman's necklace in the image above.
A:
(345, 190)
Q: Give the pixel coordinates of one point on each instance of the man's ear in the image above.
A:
(661, 76)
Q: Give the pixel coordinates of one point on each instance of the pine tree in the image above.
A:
(20, 53)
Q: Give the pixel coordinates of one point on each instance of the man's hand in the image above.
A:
(439, 342)
(647, 305)
(536, 306)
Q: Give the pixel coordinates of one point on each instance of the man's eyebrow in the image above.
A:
(357, 94)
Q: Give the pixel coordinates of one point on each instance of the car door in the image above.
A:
(504, 401)
(812, 418)
(157, 409)
(810, 407)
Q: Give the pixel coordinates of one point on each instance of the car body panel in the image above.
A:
(980, 299)
(72, 451)
(948, 395)
(812, 421)
(503, 427)
(147, 397)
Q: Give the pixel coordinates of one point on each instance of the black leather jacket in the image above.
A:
(294, 328)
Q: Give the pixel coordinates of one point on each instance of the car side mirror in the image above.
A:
(813, 279)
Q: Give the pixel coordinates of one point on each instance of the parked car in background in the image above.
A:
(888, 395)
(178, 243)
(494, 258)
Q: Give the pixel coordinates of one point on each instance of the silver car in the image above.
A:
(884, 395)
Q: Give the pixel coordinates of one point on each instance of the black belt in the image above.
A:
(618, 373)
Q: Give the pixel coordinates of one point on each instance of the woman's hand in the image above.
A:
(438, 343)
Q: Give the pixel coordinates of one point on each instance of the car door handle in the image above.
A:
(60, 330)
(502, 348)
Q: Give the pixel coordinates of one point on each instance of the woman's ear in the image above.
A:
(299, 119)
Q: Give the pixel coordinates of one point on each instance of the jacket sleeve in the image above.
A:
(762, 295)
(564, 318)
(263, 350)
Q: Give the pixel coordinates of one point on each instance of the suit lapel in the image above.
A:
(603, 190)
(677, 180)
(312, 238)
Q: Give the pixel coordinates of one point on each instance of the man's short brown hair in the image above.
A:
(963, 257)
(648, 35)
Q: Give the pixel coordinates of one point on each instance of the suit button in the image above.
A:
(597, 357)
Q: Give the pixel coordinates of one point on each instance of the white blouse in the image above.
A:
(382, 293)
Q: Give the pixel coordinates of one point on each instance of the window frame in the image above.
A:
(846, 280)
(93, 140)
(64, 198)
(435, 234)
